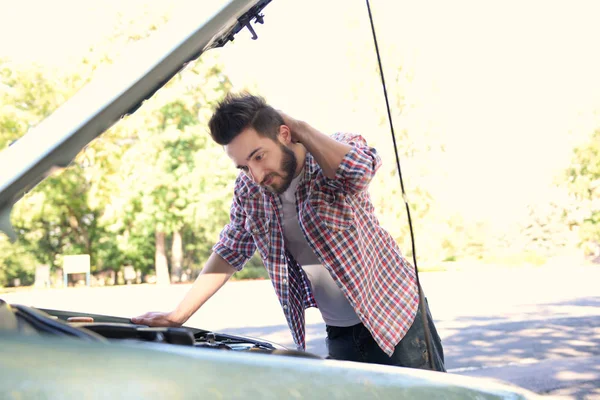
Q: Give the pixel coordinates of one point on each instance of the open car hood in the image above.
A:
(113, 358)
(119, 91)
(25, 320)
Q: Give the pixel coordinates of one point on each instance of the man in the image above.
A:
(302, 201)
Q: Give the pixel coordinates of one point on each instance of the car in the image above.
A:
(47, 353)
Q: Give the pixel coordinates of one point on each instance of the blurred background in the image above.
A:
(496, 109)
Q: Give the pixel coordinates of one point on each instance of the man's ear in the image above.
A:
(285, 134)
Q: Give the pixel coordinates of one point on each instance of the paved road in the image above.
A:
(539, 329)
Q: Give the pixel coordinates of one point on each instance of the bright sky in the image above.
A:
(509, 87)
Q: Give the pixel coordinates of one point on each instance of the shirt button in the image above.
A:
(284, 281)
(285, 306)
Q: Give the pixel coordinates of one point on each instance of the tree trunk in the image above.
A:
(176, 257)
(160, 260)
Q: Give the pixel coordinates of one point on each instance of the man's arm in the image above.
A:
(347, 160)
(213, 276)
(233, 249)
(328, 152)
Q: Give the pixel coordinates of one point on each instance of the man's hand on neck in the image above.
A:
(328, 152)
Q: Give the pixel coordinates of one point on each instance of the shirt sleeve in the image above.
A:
(235, 244)
(358, 166)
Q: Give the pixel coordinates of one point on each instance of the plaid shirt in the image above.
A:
(337, 217)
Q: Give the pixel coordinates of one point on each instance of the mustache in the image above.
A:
(266, 178)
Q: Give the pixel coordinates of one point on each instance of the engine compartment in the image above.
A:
(92, 327)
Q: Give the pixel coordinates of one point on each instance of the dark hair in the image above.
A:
(238, 112)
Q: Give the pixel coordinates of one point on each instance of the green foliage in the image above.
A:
(30, 94)
(154, 170)
(56, 219)
(254, 269)
(545, 230)
(168, 178)
(583, 179)
(15, 263)
(158, 171)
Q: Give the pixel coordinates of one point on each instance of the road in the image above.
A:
(537, 328)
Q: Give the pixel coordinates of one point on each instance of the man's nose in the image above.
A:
(257, 174)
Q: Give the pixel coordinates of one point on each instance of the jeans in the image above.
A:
(355, 343)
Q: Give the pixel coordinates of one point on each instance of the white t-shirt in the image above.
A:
(333, 305)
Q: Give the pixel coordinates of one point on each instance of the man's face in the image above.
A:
(269, 163)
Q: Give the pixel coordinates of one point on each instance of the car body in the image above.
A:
(68, 355)
(44, 356)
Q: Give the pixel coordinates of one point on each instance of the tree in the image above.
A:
(583, 181)
(166, 175)
(137, 183)
(15, 263)
(48, 222)
(28, 94)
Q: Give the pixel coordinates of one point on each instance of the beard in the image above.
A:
(289, 163)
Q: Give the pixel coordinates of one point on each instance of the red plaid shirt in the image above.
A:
(337, 217)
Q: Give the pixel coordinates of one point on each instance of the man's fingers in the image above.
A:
(150, 319)
(284, 116)
(141, 320)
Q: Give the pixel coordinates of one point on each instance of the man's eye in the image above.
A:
(259, 157)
